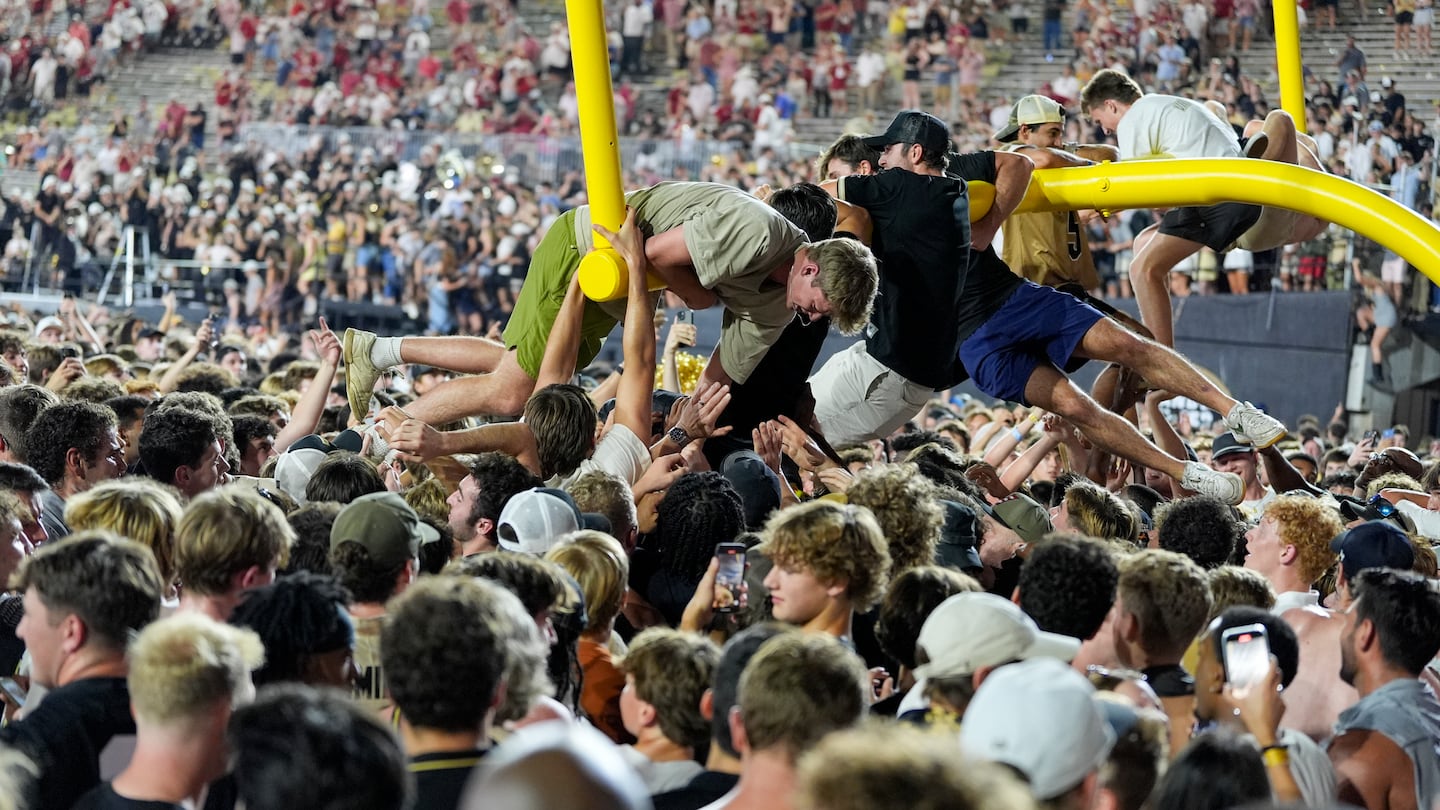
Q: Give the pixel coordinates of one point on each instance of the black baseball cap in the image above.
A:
(914, 126)
(1226, 444)
(1373, 544)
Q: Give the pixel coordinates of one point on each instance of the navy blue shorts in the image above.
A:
(1035, 325)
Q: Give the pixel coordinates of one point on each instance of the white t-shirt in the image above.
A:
(1160, 126)
(1427, 521)
(619, 452)
(1254, 509)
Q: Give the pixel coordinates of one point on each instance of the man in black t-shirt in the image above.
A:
(483, 635)
(187, 673)
(1014, 337)
(84, 598)
(925, 243)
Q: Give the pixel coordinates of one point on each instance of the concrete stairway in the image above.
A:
(1418, 78)
(186, 74)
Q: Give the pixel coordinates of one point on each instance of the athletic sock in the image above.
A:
(386, 352)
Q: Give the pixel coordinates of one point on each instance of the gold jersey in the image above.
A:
(1048, 248)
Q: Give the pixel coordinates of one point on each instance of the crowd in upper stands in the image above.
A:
(741, 74)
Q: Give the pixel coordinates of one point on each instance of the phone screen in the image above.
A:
(14, 691)
(730, 576)
(1247, 655)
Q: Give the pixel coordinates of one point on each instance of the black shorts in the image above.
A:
(1404, 17)
(1214, 226)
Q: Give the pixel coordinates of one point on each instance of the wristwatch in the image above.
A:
(678, 435)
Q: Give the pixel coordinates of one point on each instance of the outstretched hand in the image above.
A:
(802, 449)
(326, 344)
(701, 411)
(629, 242)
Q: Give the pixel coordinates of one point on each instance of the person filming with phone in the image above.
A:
(1247, 656)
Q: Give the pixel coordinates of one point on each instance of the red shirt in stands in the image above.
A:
(457, 12)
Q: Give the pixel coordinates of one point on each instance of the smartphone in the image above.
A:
(1371, 436)
(685, 316)
(14, 691)
(730, 576)
(67, 352)
(1246, 654)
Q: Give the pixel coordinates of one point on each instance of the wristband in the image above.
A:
(1275, 755)
(679, 436)
(1017, 434)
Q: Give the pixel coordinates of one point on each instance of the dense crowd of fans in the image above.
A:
(185, 517)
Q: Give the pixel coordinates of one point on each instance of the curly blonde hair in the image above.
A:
(904, 504)
(835, 543)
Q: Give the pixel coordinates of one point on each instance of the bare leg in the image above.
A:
(1376, 341)
(502, 393)
(1054, 392)
(1149, 275)
(467, 355)
(1157, 363)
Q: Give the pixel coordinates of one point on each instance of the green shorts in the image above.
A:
(555, 261)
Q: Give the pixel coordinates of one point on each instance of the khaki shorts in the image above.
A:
(857, 398)
(555, 261)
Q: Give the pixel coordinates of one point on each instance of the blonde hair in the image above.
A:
(597, 561)
(102, 364)
(1168, 594)
(224, 532)
(867, 767)
(835, 543)
(429, 499)
(904, 504)
(1231, 585)
(144, 387)
(1098, 512)
(605, 493)
(140, 509)
(849, 278)
(797, 688)
(182, 665)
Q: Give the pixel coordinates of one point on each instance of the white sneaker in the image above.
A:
(1226, 486)
(1252, 425)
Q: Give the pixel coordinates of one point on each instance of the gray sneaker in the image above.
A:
(1250, 424)
(1226, 486)
(360, 371)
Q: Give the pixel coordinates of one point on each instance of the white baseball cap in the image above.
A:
(532, 521)
(1041, 718)
(972, 631)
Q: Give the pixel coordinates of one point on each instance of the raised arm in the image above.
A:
(203, 336)
(562, 347)
(632, 400)
(306, 416)
(1012, 178)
